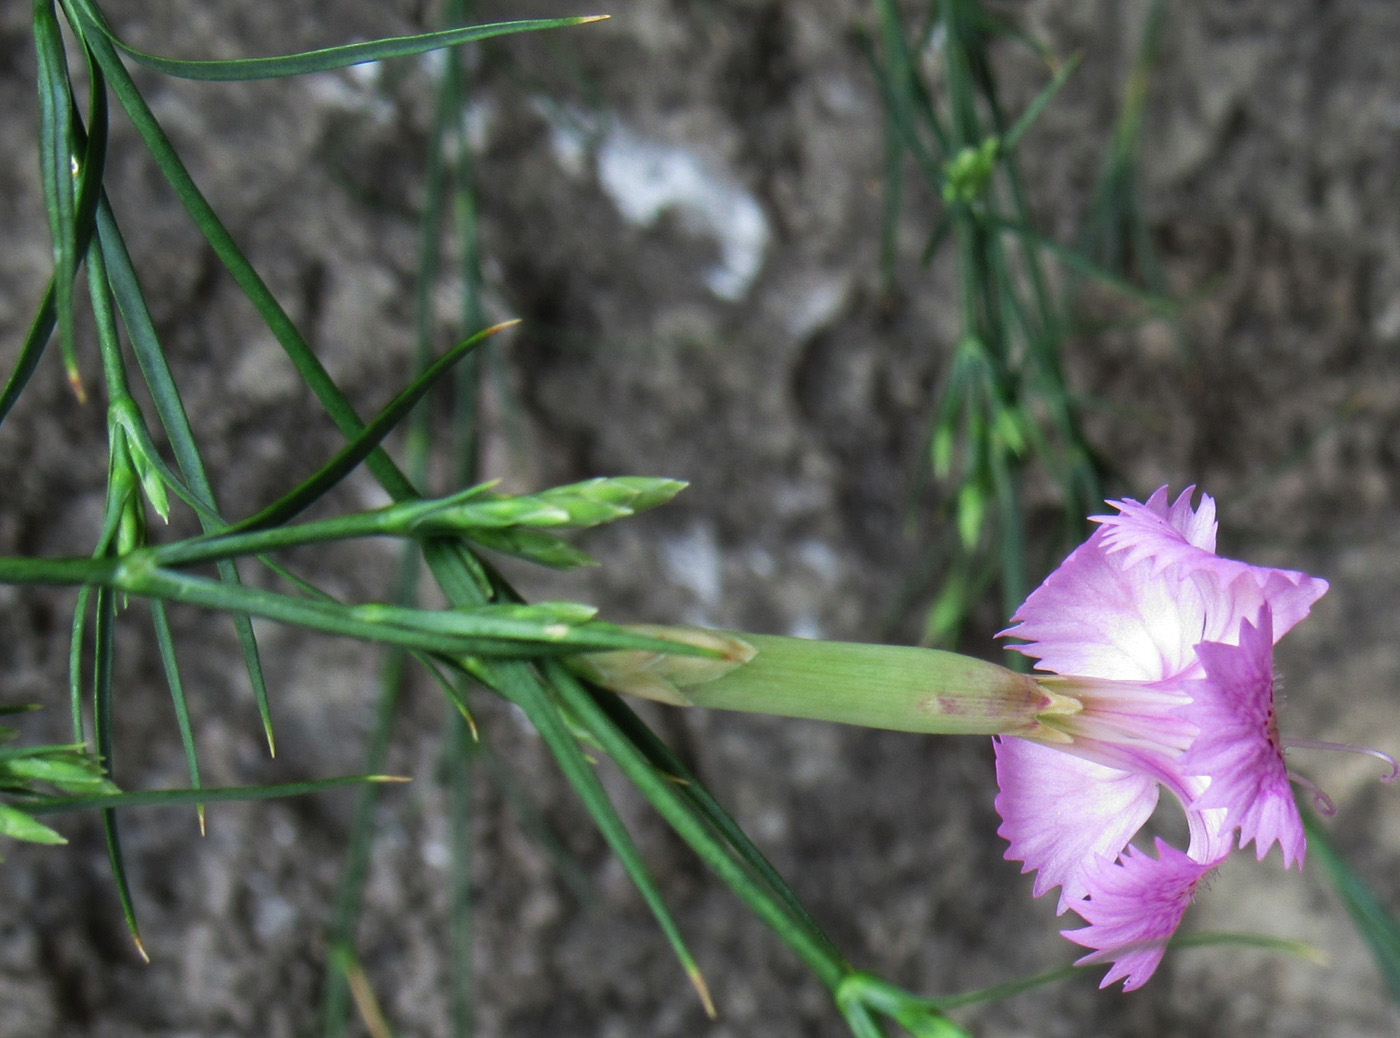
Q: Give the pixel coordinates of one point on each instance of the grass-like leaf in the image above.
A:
(171, 664)
(321, 60)
(58, 169)
(104, 622)
(203, 795)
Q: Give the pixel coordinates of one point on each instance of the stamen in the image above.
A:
(1313, 744)
(1325, 805)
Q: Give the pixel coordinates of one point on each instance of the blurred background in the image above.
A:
(689, 206)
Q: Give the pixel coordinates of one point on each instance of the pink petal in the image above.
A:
(1133, 910)
(1238, 747)
(1176, 536)
(1168, 535)
(1093, 618)
(1066, 817)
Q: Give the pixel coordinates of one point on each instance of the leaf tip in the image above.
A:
(75, 380)
(501, 326)
(697, 979)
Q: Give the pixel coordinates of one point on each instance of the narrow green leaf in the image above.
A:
(203, 795)
(32, 349)
(89, 190)
(57, 164)
(92, 139)
(1039, 103)
(171, 664)
(1077, 261)
(104, 621)
(324, 59)
(75, 661)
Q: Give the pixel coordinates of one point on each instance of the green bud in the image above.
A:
(584, 512)
(71, 770)
(502, 512)
(635, 493)
(576, 505)
(131, 526)
(127, 425)
(967, 174)
(876, 686)
(1010, 425)
(972, 511)
(941, 451)
(533, 546)
(152, 484)
(946, 615)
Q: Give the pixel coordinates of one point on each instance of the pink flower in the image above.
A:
(1162, 652)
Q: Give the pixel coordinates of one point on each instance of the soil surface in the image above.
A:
(683, 204)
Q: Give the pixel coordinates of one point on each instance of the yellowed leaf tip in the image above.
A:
(388, 778)
(366, 1002)
(141, 948)
(585, 19)
(502, 326)
(76, 381)
(703, 990)
(199, 810)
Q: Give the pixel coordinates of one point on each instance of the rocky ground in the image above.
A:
(683, 205)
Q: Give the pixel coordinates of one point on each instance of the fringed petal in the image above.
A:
(1134, 909)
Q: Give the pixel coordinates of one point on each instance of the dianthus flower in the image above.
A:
(1160, 653)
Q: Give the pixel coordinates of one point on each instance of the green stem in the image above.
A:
(378, 523)
(66, 572)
